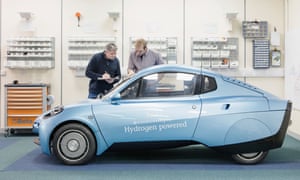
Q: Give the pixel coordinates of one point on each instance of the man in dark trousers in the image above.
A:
(104, 71)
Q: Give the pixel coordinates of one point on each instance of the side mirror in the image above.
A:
(115, 98)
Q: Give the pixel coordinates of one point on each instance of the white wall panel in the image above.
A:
(292, 65)
(155, 18)
(207, 18)
(45, 22)
(94, 22)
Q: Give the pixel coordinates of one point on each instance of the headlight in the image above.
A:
(56, 110)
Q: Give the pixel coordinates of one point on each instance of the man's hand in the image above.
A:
(130, 73)
(106, 76)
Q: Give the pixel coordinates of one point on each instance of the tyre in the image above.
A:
(74, 144)
(250, 158)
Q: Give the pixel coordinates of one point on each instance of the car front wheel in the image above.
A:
(74, 144)
(250, 158)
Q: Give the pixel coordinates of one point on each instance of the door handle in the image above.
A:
(226, 106)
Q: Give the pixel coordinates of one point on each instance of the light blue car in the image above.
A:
(168, 106)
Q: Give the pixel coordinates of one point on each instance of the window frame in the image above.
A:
(137, 87)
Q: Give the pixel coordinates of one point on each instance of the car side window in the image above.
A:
(208, 84)
(161, 85)
(167, 84)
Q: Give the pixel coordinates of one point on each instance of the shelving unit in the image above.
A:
(261, 53)
(30, 52)
(215, 52)
(24, 103)
(255, 29)
(81, 49)
(166, 46)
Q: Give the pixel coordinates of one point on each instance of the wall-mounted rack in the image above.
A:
(30, 52)
(81, 49)
(216, 52)
(255, 29)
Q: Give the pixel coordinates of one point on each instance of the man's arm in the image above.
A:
(131, 66)
(91, 69)
(159, 59)
(117, 76)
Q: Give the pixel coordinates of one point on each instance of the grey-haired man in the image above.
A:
(103, 71)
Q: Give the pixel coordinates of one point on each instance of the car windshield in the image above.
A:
(115, 87)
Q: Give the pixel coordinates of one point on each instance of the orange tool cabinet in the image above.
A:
(24, 102)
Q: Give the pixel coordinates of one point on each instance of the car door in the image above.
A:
(157, 107)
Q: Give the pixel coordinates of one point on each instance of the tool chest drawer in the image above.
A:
(24, 103)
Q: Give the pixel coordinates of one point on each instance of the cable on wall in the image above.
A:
(245, 49)
(0, 37)
(122, 39)
(61, 50)
(183, 50)
(0, 51)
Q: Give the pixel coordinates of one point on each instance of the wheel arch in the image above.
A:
(101, 145)
(245, 130)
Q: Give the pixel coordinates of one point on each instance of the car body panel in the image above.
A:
(223, 113)
(129, 121)
(76, 113)
(219, 130)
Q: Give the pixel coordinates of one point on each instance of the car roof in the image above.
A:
(199, 70)
(175, 68)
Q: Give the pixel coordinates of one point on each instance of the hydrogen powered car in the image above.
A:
(168, 106)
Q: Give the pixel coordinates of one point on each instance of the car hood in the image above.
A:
(71, 108)
(88, 102)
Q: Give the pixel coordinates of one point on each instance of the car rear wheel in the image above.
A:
(74, 144)
(250, 158)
